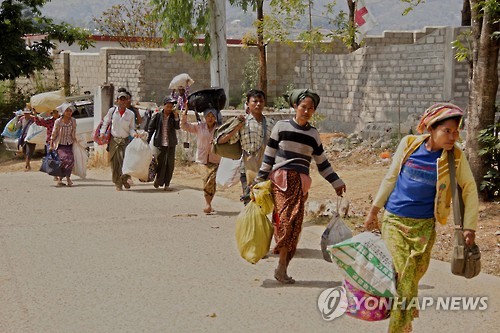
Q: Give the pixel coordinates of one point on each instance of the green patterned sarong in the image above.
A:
(410, 243)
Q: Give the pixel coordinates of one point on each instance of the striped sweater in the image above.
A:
(292, 147)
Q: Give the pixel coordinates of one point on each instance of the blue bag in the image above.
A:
(51, 164)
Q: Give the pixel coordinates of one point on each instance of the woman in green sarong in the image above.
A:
(415, 193)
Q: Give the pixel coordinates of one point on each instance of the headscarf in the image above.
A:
(297, 95)
(217, 114)
(438, 112)
(64, 106)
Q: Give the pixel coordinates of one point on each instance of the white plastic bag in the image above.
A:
(336, 231)
(36, 134)
(228, 173)
(81, 158)
(137, 158)
(154, 150)
(366, 263)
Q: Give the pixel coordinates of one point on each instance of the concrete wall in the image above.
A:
(383, 87)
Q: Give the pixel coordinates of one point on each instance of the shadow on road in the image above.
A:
(269, 283)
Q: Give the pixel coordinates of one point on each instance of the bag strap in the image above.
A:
(457, 214)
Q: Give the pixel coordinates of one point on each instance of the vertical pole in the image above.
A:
(310, 47)
(218, 45)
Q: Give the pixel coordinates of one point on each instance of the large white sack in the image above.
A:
(137, 158)
(36, 134)
(366, 263)
(48, 101)
(228, 173)
(181, 81)
(81, 158)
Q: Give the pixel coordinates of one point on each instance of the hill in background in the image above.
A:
(388, 14)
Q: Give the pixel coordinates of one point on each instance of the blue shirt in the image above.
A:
(415, 191)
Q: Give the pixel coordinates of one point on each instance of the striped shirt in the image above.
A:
(64, 134)
(292, 147)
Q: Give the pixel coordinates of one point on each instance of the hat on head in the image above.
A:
(438, 112)
(169, 99)
(121, 94)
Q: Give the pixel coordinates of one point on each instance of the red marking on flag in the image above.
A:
(358, 16)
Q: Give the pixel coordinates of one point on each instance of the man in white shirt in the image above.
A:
(122, 130)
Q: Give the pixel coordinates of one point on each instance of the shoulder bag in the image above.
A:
(227, 150)
(104, 140)
(465, 260)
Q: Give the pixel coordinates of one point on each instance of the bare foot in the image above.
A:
(283, 277)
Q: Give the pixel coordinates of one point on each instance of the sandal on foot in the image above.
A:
(70, 183)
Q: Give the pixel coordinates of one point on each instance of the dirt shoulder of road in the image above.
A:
(362, 172)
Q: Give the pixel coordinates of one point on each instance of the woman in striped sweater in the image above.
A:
(287, 161)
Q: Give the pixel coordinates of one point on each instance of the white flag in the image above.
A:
(363, 18)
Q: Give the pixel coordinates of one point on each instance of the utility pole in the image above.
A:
(311, 51)
(218, 45)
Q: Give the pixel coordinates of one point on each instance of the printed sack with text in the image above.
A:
(366, 263)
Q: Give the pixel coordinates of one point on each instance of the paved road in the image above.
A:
(90, 259)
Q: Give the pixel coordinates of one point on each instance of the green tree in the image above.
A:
(484, 83)
(132, 23)
(483, 76)
(20, 18)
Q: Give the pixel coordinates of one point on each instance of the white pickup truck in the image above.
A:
(84, 116)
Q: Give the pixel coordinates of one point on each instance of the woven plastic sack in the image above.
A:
(36, 134)
(253, 233)
(364, 306)
(81, 157)
(137, 158)
(366, 263)
(48, 101)
(336, 231)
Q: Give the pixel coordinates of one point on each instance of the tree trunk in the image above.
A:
(483, 90)
(262, 48)
(466, 14)
(351, 44)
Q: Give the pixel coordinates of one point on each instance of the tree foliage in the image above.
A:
(132, 23)
(22, 18)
